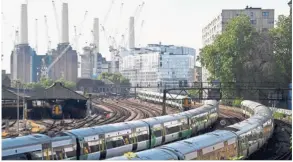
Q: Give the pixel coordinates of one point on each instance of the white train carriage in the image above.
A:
(64, 146)
(178, 101)
(218, 145)
(31, 147)
(111, 140)
(167, 128)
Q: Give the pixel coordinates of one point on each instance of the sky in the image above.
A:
(177, 22)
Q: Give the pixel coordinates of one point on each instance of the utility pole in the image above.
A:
(164, 102)
(17, 85)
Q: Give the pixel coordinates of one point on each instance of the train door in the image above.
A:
(133, 139)
(157, 135)
(193, 124)
(142, 137)
(47, 152)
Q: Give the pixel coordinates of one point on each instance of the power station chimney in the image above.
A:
(131, 33)
(23, 25)
(64, 22)
(96, 34)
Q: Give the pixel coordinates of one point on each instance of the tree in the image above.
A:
(47, 82)
(282, 45)
(116, 78)
(240, 54)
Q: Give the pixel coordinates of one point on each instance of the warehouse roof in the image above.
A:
(56, 91)
(9, 95)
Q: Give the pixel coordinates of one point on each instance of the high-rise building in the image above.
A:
(67, 65)
(88, 63)
(159, 66)
(261, 19)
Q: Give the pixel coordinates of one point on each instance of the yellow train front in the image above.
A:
(186, 103)
(57, 112)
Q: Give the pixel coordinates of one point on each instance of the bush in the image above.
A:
(237, 102)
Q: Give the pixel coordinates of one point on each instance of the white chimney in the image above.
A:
(131, 33)
(23, 25)
(96, 34)
(64, 22)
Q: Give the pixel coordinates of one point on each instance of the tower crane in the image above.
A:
(141, 27)
(65, 50)
(36, 25)
(47, 34)
(136, 16)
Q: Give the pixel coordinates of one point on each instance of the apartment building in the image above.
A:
(261, 19)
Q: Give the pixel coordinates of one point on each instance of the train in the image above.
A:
(57, 112)
(183, 103)
(237, 141)
(106, 141)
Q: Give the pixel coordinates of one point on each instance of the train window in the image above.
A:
(70, 151)
(171, 130)
(184, 126)
(15, 157)
(142, 137)
(157, 133)
(114, 142)
(94, 146)
(37, 155)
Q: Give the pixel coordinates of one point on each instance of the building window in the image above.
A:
(265, 14)
(251, 13)
(253, 22)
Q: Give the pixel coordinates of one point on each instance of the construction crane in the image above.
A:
(56, 19)
(36, 26)
(136, 16)
(65, 50)
(138, 36)
(47, 34)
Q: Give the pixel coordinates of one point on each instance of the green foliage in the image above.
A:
(241, 54)
(237, 102)
(116, 78)
(278, 115)
(236, 158)
(282, 45)
(47, 82)
(193, 93)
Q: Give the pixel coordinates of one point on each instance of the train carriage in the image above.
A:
(31, 147)
(64, 147)
(178, 101)
(167, 128)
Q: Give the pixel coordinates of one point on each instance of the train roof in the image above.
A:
(161, 95)
(165, 118)
(199, 142)
(84, 132)
(137, 123)
(242, 127)
(152, 154)
(24, 141)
